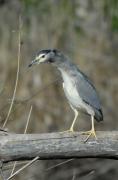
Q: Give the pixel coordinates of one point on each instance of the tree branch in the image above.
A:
(57, 145)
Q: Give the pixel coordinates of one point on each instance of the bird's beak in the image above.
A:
(33, 62)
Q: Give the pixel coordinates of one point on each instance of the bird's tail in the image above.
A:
(99, 115)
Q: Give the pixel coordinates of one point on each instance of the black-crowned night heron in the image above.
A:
(78, 89)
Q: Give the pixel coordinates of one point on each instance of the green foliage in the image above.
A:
(115, 23)
(36, 6)
(31, 3)
(44, 6)
(111, 11)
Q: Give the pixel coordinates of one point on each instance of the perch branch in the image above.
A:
(15, 147)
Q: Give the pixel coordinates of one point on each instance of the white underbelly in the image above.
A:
(72, 95)
(75, 100)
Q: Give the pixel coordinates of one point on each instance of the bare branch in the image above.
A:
(24, 167)
(27, 123)
(25, 131)
(59, 164)
(15, 147)
(17, 74)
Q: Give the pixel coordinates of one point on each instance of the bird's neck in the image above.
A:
(67, 69)
(66, 66)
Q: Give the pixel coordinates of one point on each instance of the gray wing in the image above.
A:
(87, 91)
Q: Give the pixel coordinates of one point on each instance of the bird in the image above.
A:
(78, 88)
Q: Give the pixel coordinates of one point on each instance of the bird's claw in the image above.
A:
(90, 133)
(68, 131)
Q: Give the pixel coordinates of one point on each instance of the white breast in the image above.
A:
(70, 91)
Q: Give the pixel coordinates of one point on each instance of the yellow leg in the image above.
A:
(72, 126)
(92, 131)
(73, 123)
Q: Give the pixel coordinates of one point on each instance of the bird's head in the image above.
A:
(52, 56)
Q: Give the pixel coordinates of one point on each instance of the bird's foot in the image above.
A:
(4, 130)
(68, 131)
(90, 133)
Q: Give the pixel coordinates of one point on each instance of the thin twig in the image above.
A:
(42, 89)
(59, 164)
(74, 174)
(52, 167)
(13, 169)
(25, 166)
(25, 131)
(7, 167)
(27, 123)
(17, 75)
(19, 102)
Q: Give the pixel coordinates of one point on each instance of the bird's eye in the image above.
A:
(43, 56)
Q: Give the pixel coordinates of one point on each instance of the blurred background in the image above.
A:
(85, 30)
